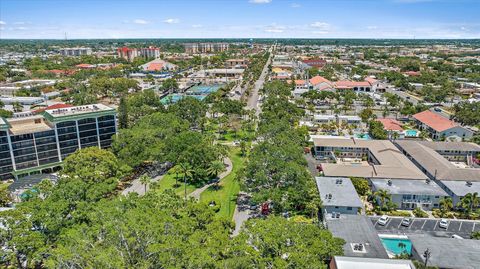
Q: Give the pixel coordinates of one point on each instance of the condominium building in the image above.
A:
(131, 53)
(75, 51)
(30, 143)
(192, 48)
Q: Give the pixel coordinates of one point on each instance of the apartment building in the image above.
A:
(438, 127)
(75, 51)
(30, 143)
(193, 48)
(131, 53)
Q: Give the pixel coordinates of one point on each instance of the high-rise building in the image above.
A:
(31, 143)
(131, 53)
(192, 48)
(75, 51)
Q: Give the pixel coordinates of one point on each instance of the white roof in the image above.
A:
(371, 263)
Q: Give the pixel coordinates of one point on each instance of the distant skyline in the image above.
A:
(51, 19)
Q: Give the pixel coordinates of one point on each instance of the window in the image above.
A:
(349, 208)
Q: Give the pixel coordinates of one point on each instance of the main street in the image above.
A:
(252, 102)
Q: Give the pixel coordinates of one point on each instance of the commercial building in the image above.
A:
(35, 142)
(410, 194)
(446, 252)
(193, 48)
(75, 51)
(439, 127)
(338, 196)
(450, 164)
(11, 89)
(340, 262)
(131, 53)
(364, 158)
(361, 238)
(158, 65)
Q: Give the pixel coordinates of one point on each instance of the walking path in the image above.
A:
(139, 187)
(229, 166)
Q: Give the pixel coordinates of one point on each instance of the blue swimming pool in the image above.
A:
(364, 136)
(411, 133)
(397, 246)
(174, 97)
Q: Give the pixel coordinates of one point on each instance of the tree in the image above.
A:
(470, 201)
(5, 197)
(284, 243)
(375, 129)
(95, 171)
(383, 196)
(216, 167)
(123, 114)
(446, 204)
(145, 180)
(170, 84)
(476, 235)
(17, 107)
(361, 185)
(366, 114)
(243, 148)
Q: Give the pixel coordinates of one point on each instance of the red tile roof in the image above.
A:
(319, 79)
(435, 121)
(371, 80)
(85, 66)
(55, 106)
(412, 73)
(391, 124)
(347, 84)
(155, 67)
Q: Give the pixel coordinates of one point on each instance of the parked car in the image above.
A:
(383, 220)
(443, 224)
(406, 222)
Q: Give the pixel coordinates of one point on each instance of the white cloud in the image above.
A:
(275, 28)
(171, 21)
(320, 32)
(20, 28)
(320, 25)
(19, 23)
(197, 26)
(260, 1)
(295, 5)
(140, 21)
(2, 23)
(373, 27)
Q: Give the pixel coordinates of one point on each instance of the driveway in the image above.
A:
(242, 212)
(463, 228)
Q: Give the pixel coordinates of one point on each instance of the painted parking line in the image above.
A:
(467, 227)
(453, 226)
(423, 224)
(460, 228)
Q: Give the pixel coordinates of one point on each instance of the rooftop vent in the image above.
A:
(469, 183)
(389, 182)
(339, 181)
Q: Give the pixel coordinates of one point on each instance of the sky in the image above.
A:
(53, 19)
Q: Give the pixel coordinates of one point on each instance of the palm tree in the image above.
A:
(446, 204)
(383, 195)
(470, 201)
(215, 168)
(187, 171)
(17, 107)
(243, 148)
(177, 169)
(145, 180)
(395, 135)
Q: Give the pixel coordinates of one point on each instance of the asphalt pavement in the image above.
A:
(463, 228)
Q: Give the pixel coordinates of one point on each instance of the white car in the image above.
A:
(383, 220)
(443, 224)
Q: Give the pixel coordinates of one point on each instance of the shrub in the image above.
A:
(419, 213)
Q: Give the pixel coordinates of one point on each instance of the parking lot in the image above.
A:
(463, 228)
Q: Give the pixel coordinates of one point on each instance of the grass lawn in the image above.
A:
(226, 195)
(168, 182)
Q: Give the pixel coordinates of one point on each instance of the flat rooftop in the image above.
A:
(77, 110)
(441, 146)
(371, 263)
(355, 229)
(336, 191)
(461, 188)
(418, 187)
(435, 164)
(448, 252)
(27, 125)
(393, 164)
